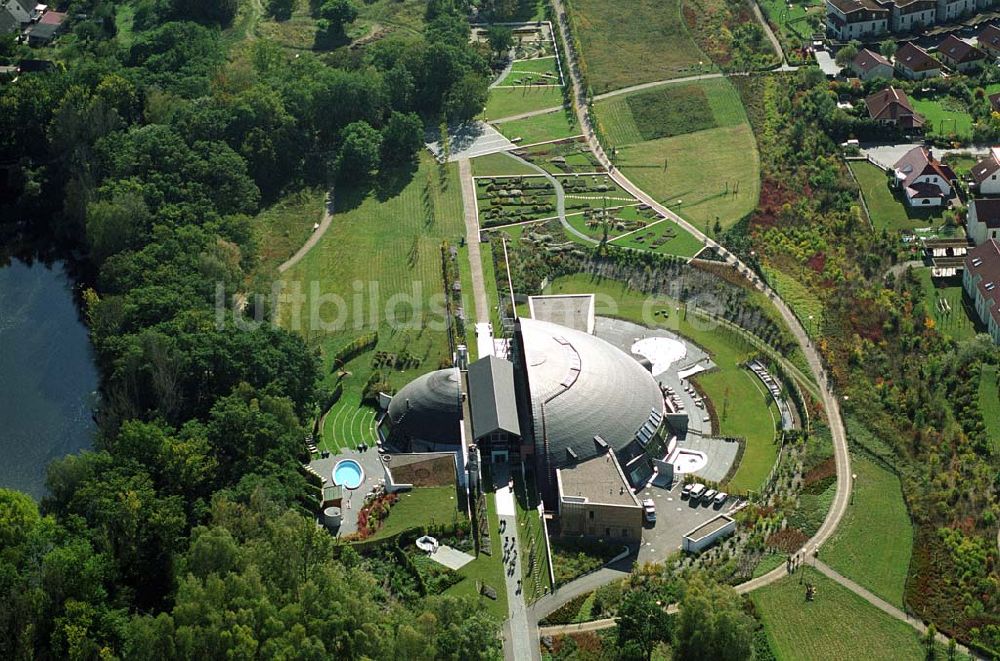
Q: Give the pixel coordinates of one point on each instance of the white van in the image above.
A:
(696, 491)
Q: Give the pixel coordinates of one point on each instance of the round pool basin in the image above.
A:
(688, 461)
(348, 474)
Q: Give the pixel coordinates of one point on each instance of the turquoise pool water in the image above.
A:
(348, 474)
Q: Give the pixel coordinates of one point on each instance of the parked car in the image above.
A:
(720, 498)
(686, 491)
(708, 496)
(697, 489)
(649, 510)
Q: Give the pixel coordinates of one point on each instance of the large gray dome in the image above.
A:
(587, 387)
(428, 408)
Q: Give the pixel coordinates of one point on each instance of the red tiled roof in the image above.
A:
(891, 104)
(988, 211)
(982, 170)
(52, 18)
(867, 60)
(915, 58)
(983, 262)
(990, 37)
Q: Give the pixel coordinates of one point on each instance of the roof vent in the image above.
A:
(601, 443)
(989, 286)
(977, 261)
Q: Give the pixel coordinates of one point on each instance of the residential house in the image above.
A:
(21, 10)
(924, 180)
(869, 65)
(989, 40)
(981, 281)
(983, 220)
(8, 23)
(994, 102)
(891, 106)
(949, 11)
(911, 15)
(915, 63)
(46, 29)
(856, 19)
(985, 175)
(960, 55)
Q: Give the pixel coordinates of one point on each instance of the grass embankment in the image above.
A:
(378, 267)
(640, 41)
(689, 146)
(741, 404)
(486, 569)
(887, 209)
(422, 506)
(989, 404)
(282, 228)
(874, 540)
(838, 625)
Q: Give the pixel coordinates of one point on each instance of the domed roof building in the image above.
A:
(426, 412)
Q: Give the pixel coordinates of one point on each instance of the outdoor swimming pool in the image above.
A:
(348, 474)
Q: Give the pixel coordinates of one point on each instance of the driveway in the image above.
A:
(675, 516)
(886, 156)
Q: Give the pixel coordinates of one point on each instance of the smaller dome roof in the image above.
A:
(428, 408)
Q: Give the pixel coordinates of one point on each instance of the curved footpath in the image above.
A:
(840, 447)
(314, 237)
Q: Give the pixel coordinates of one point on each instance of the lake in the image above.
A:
(48, 379)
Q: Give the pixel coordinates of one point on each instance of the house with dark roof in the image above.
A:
(891, 106)
(994, 102)
(924, 180)
(46, 29)
(914, 63)
(869, 65)
(984, 177)
(8, 23)
(912, 15)
(495, 426)
(981, 281)
(856, 19)
(983, 220)
(20, 10)
(989, 40)
(960, 55)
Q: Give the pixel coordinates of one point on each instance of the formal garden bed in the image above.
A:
(504, 200)
(567, 156)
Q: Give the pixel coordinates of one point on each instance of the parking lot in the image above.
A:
(675, 516)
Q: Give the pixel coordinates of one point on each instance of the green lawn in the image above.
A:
(486, 569)
(627, 43)
(946, 304)
(748, 412)
(378, 267)
(989, 404)
(540, 71)
(499, 165)
(889, 211)
(541, 128)
(702, 176)
(509, 101)
(669, 110)
(744, 409)
(799, 297)
(795, 23)
(837, 626)
(420, 507)
(282, 228)
(945, 116)
(872, 545)
(531, 538)
(678, 241)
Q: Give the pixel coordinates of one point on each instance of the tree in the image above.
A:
(712, 624)
(281, 10)
(359, 153)
(847, 53)
(642, 623)
(402, 137)
(335, 15)
(501, 38)
(466, 98)
(117, 224)
(887, 48)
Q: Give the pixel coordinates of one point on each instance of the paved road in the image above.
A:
(314, 237)
(658, 83)
(519, 644)
(472, 240)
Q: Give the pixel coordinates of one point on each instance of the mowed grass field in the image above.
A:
(873, 542)
(488, 569)
(282, 228)
(748, 412)
(378, 267)
(541, 128)
(639, 41)
(498, 165)
(989, 404)
(510, 101)
(837, 626)
(946, 305)
(705, 167)
(887, 210)
(945, 116)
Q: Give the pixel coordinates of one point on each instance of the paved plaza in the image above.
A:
(468, 140)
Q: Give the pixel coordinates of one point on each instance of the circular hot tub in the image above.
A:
(348, 474)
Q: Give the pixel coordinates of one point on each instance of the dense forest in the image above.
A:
(185, 532)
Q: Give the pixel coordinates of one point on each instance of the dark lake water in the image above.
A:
(47, 374)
